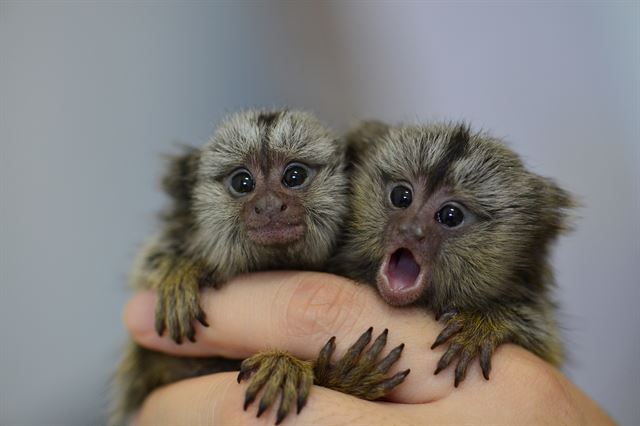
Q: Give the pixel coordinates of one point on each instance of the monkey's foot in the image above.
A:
(469, 335)
(277, 372)
(357, 373)
(178, 305)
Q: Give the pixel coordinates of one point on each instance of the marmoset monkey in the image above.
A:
(451, 220)
(268, 191)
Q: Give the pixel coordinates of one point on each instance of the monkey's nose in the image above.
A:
(412, 230)
(269, 204)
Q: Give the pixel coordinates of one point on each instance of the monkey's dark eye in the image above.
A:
(401, 196)
(295, 175)
(241, 182)
(450, 216)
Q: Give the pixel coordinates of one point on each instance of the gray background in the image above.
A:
(91, 94)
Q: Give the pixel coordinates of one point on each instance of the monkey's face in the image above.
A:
(272, 205)
(270, 191)
(445, 217)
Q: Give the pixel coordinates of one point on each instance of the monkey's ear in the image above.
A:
(360, 139)
(559, 204)
(181, 175)
(461, 135)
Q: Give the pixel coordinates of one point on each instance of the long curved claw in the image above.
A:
(289, 388)
(348, 361)
(276, 372)
(461, 369)
(393, 356)
(191, 333)
(202, 317)
(177, 281)
(449, 355)
(271, 388)
(377, 346)
(471, 335)
(486, 351)
(365, 377)
(247, 367)
(323, 363)
(173, 325)
(449, 330)
(160, 319)
(384, 387)
(259, 378)
(304, 386)
(363, 367)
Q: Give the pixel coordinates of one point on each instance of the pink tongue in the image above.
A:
(403, 270)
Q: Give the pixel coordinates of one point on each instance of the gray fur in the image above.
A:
(203, 240)
(495, 270)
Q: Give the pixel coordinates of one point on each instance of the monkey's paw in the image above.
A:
(178, 305)
(469, 335)
(277, 372)
(359, 374)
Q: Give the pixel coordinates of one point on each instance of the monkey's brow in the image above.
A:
(223, 170)
(480, 209)
(392, 175)
(311, 162)
(223, 174)
(286, 156)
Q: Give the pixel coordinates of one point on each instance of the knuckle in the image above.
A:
(553, 393)
(322, 305)
(227, 406)
(545, 388)
(224, 398)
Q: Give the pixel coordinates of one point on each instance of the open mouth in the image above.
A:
(400, 280)
(402, 270)
(276, 234)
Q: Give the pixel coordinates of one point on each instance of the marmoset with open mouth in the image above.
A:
(450, 219)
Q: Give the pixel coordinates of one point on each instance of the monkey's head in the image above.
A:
(444, 216)
(267, 191)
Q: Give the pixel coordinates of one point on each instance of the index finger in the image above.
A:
(218, 399)
(299, 312)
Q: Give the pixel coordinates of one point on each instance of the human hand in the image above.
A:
(299, 312)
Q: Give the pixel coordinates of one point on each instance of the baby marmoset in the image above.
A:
(268, 191)
(452, 220)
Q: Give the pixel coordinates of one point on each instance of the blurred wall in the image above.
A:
(91, 94)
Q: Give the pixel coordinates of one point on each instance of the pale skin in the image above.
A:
(299, 312)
